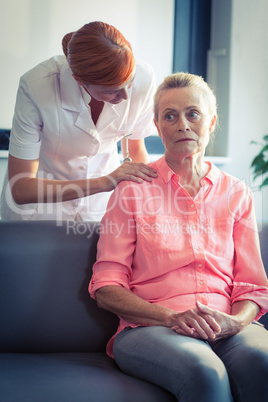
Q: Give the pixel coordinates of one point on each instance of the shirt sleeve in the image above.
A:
(116, 244)
(250, 280)
(25, 139)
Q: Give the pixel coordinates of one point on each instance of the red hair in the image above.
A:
(99, 54)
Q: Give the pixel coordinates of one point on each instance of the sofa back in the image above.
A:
(45, 270)
(45, 306)
(263, 234)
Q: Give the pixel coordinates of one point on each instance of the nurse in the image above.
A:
(70, 113)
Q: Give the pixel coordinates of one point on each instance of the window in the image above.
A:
(202, 43)
(192, 36)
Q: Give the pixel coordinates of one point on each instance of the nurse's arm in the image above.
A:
(27, 188)
(137, 150)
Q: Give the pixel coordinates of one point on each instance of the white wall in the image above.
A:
(32, 30)
(248, 107)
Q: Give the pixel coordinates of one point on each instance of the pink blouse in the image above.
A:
(173, 250)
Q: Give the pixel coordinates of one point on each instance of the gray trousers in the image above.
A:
(232, 369)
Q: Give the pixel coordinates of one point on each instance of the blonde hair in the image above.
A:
(182, 80)
(99, 54)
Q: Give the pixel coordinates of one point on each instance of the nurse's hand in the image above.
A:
(137, 172)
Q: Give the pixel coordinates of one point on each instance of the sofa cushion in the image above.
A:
(74, 377)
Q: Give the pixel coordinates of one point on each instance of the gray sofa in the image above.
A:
(53, 335)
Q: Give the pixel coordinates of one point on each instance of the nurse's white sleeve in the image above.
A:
(26, 126)
(143, 96)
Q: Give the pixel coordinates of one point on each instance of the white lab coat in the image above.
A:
(53, 123)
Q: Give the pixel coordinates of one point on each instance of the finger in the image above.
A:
(191, 321)
(192, 326)
(208, 314)
(192, 333)
(215, 326)
(204, 330)
(203, 327)
(141, 167)
(135, 175)
(204, 309)
(134, 178)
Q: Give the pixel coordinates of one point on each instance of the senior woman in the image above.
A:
(182, 266)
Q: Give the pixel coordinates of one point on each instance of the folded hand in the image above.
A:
(206, 323)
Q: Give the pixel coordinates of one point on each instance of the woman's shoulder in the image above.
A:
(234, 185)
(231, 179)
(53, 65)
(144, 67)
(145, 75)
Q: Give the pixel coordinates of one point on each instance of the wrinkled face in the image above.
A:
(112, 95)
(184, 122)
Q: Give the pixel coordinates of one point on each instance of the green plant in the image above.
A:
(260, 162)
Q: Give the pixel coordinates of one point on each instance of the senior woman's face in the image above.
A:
(184, 122)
